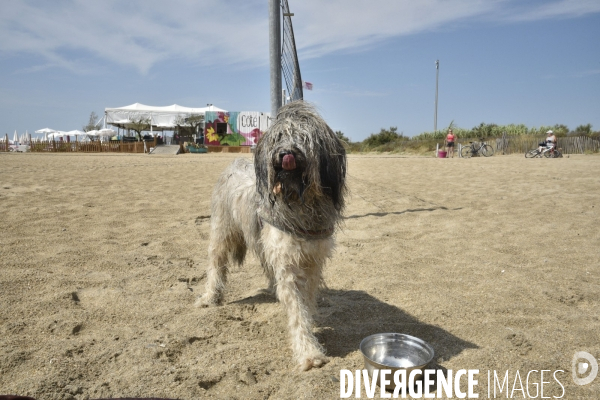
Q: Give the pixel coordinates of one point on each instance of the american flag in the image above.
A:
(307, 85)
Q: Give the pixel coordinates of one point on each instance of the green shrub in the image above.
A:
(383, 137)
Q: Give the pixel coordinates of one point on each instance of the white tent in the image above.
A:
(76, 133)
(162, 118)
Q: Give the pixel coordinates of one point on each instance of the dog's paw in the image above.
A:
(206, 301)
(316, 361)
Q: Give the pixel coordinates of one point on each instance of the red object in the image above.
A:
(289, 162)
(442, 154)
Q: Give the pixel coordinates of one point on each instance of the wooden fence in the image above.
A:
(524, 143)
(503, 145)
(91, 147)
(4, 144)
(569, 145)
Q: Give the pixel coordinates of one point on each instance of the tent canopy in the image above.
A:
(163, 118)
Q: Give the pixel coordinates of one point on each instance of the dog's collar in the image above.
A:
(303, 233)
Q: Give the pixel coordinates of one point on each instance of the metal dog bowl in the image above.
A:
(395, 351)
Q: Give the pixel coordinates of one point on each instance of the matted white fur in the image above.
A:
(284, 208)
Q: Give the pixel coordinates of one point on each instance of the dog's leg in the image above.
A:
(270, 276)
(314, 282)
(216, 277)
(293, 292)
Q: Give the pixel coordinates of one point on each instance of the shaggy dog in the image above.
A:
(285, 208)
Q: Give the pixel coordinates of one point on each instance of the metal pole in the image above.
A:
(437, 75)
(275, 54)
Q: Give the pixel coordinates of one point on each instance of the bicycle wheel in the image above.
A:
(532, 153)
(557, 154)
(548, 154)
(487, 150)
(466, 152)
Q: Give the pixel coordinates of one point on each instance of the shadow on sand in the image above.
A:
(348, 316)
(383, 214)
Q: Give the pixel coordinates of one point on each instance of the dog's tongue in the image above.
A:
(289, 162)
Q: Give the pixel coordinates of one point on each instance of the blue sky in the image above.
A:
(372, 62)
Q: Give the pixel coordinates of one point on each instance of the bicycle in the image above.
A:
(548, 152)
(475, 149)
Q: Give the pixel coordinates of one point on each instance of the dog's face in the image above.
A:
(289, 164)
(300, 159)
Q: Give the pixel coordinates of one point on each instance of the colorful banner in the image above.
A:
(234, 128)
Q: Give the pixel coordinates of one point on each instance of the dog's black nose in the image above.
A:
(284, 153)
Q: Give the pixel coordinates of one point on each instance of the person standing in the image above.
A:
(450, 138)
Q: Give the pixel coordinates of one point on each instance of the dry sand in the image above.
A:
(494, 261)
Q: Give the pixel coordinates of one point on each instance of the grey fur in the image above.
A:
(286, 216)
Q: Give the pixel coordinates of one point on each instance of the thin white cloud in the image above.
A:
(555, 9)
(81, 35)
(324, 27)
(589, 72)
(136, 34)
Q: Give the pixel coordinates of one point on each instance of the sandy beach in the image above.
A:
(493, 261)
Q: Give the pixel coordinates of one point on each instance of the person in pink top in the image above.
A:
(450, 138)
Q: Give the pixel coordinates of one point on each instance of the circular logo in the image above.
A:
(581, 367)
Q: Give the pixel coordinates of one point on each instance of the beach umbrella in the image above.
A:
(15, 138)
(45, 130)
(76, 133)
(106, 132)
(57, 134)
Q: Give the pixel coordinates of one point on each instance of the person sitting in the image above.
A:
(549, 144)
